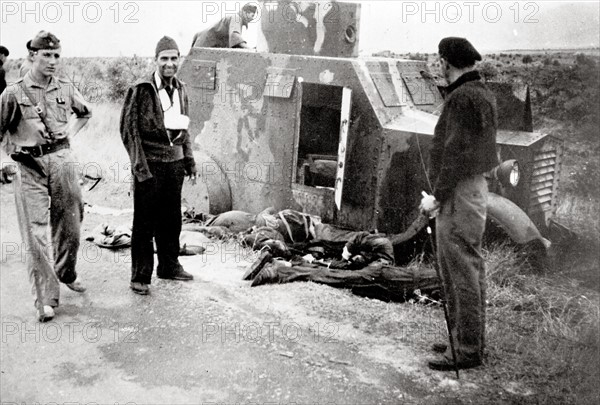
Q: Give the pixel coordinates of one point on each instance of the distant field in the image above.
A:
(586, 51)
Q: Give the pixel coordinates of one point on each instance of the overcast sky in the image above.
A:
(114, 28)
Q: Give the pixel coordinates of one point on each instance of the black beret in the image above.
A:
(28, 45)
(458, 52)
(4, 51)
(44, 40)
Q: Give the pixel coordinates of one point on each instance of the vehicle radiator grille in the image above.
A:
(542, 180)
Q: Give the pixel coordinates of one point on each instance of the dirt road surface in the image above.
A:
(214, 340)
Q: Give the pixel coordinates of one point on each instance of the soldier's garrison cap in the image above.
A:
(44, 40)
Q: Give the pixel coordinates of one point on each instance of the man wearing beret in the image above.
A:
(154, 122)
(227, 33)
(464, 148)
(40, 113)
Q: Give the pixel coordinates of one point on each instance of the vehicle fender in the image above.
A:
(513, 220)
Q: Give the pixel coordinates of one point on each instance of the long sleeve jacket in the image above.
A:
(464, 142)
(143, 129)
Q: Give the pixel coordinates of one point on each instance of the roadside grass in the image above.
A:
(101, 153)
(541, 331)
(579, 202)
(580, 214)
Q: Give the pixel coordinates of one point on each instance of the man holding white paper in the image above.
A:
(154, 123)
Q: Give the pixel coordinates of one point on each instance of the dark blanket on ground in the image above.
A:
(388, 283)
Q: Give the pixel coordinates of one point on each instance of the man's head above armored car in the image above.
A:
(248, 13)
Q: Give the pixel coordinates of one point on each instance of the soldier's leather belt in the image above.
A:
(45, 149)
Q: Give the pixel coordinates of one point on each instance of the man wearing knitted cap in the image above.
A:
(154, 123)
(227, 33)
(464, 148)
(40, 113)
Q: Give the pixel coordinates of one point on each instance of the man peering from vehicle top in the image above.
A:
(154, 123)
(227, 33)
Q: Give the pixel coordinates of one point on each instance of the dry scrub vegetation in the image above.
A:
(543, 329)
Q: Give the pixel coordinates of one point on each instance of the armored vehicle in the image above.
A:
(305, 123)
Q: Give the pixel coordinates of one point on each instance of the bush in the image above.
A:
(87, 75)
(121, 73)
(581, 59)
(418, 56)
(488, 71)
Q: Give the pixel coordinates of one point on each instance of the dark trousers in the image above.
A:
(156, 214)
(459, 230)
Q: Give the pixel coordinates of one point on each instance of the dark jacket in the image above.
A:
(464, 142)
(2, 78)
(143, 129)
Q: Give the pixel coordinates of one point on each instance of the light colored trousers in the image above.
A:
(459, 231)
(53, 200)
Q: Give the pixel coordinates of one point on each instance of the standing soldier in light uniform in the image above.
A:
(39, 113)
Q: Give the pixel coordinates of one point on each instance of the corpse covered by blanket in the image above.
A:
(388, 283)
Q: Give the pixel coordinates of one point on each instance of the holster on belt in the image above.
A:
(27, 160)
